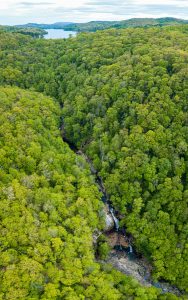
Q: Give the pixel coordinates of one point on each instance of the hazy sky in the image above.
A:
(47, 11)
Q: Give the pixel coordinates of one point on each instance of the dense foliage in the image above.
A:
(124, 94)
(48, 210)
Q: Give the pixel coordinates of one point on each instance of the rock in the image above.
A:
(130, 268)
(96, 235)
(140, 270)
(167, 288)
(109, 221)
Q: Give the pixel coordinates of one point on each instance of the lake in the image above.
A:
(59, 34)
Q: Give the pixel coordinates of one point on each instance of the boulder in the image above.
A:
(109, 221)
(96, 235)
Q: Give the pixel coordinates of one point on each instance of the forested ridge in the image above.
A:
(124, 98)
(102, 25)
(26, 30)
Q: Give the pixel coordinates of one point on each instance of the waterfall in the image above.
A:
(116, 221)
(130, 249)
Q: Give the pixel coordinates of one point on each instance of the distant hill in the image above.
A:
(35, 32)
(136, 22)
(57, 25)
(101, 25)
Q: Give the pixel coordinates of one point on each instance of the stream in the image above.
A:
(123, 257)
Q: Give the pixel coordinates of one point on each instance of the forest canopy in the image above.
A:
(122, 97)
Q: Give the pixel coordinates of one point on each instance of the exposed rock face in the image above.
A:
(131, 268)
(109, 221)
(140, 270)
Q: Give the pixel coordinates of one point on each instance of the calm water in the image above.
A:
(59, 34)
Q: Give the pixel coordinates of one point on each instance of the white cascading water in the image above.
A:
(116, 221)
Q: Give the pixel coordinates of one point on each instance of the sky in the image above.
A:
(50, 11)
